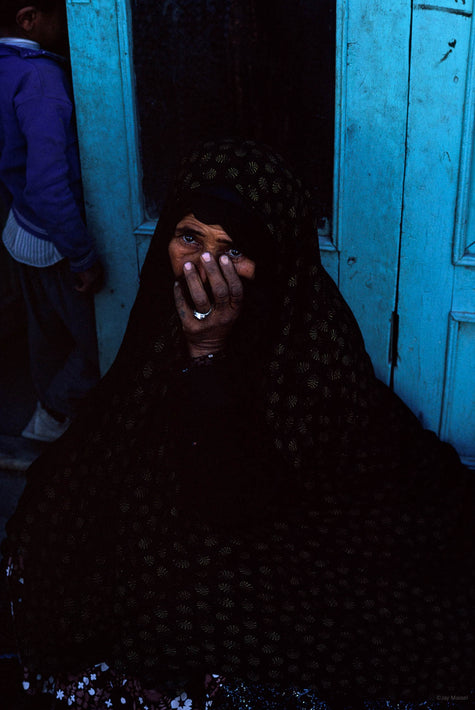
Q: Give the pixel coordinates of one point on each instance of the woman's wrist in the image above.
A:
(203, 360)
(203, 350)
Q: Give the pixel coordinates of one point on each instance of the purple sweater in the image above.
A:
(39, 158)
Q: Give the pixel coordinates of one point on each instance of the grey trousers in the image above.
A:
(61, 337)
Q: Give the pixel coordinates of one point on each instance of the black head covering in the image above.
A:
(315, 353)
(337, 590)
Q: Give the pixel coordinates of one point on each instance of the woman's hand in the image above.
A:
(209, 334)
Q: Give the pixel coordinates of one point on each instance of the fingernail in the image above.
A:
(224, 259)
(206, 256)
(188, 266)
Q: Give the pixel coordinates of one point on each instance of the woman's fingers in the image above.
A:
(233, 280)
(180, 301)
(223, 289)
(217, 282)
(195, 286)
(225, 283)
(208, 283)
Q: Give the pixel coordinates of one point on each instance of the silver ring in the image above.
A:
(202, 316)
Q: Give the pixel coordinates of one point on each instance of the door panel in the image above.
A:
(436, 342)
(372, 86)
(458, 411)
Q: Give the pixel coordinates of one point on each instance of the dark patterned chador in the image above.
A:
(276, 515)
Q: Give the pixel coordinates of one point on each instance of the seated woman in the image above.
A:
(241, 496)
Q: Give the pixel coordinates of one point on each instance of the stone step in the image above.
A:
(16, 455)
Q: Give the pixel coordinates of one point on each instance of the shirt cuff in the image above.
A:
(84, 263)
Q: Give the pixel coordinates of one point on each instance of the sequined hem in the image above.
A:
(101, 688)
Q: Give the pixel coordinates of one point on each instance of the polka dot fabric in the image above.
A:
(356, 585)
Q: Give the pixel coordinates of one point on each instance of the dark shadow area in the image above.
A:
(17, 395)
(259, 69)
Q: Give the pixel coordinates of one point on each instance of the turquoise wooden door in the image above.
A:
(401, 247)
(437, 275)
(405, 202)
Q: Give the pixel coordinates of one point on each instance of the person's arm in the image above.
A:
(215, 455)
(53, 188)
(212, 401)
(228, 470)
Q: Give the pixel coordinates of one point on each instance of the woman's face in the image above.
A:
(193, 238)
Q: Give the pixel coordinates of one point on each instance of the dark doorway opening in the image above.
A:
(260, 69)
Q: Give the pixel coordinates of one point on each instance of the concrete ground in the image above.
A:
(17, 403)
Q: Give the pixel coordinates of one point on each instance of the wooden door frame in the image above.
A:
(103, 81)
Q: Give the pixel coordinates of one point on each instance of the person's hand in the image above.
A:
(209, 335)
(91, 280)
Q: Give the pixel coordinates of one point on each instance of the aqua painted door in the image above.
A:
(401, 248)
(437, 274)
(405, 201)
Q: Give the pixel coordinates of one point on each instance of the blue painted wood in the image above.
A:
(458, 411)
(464, 237)
(371, 106)
(103, 86)
(428, 279)
(399, 177)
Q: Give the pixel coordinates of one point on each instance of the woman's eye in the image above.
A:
(234, 253)
(188, 238)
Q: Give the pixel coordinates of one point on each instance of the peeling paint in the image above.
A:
(445, 56)
(452, 45)
(440, 8)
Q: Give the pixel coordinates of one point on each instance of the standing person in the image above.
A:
(240, 495)
(45, 231)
